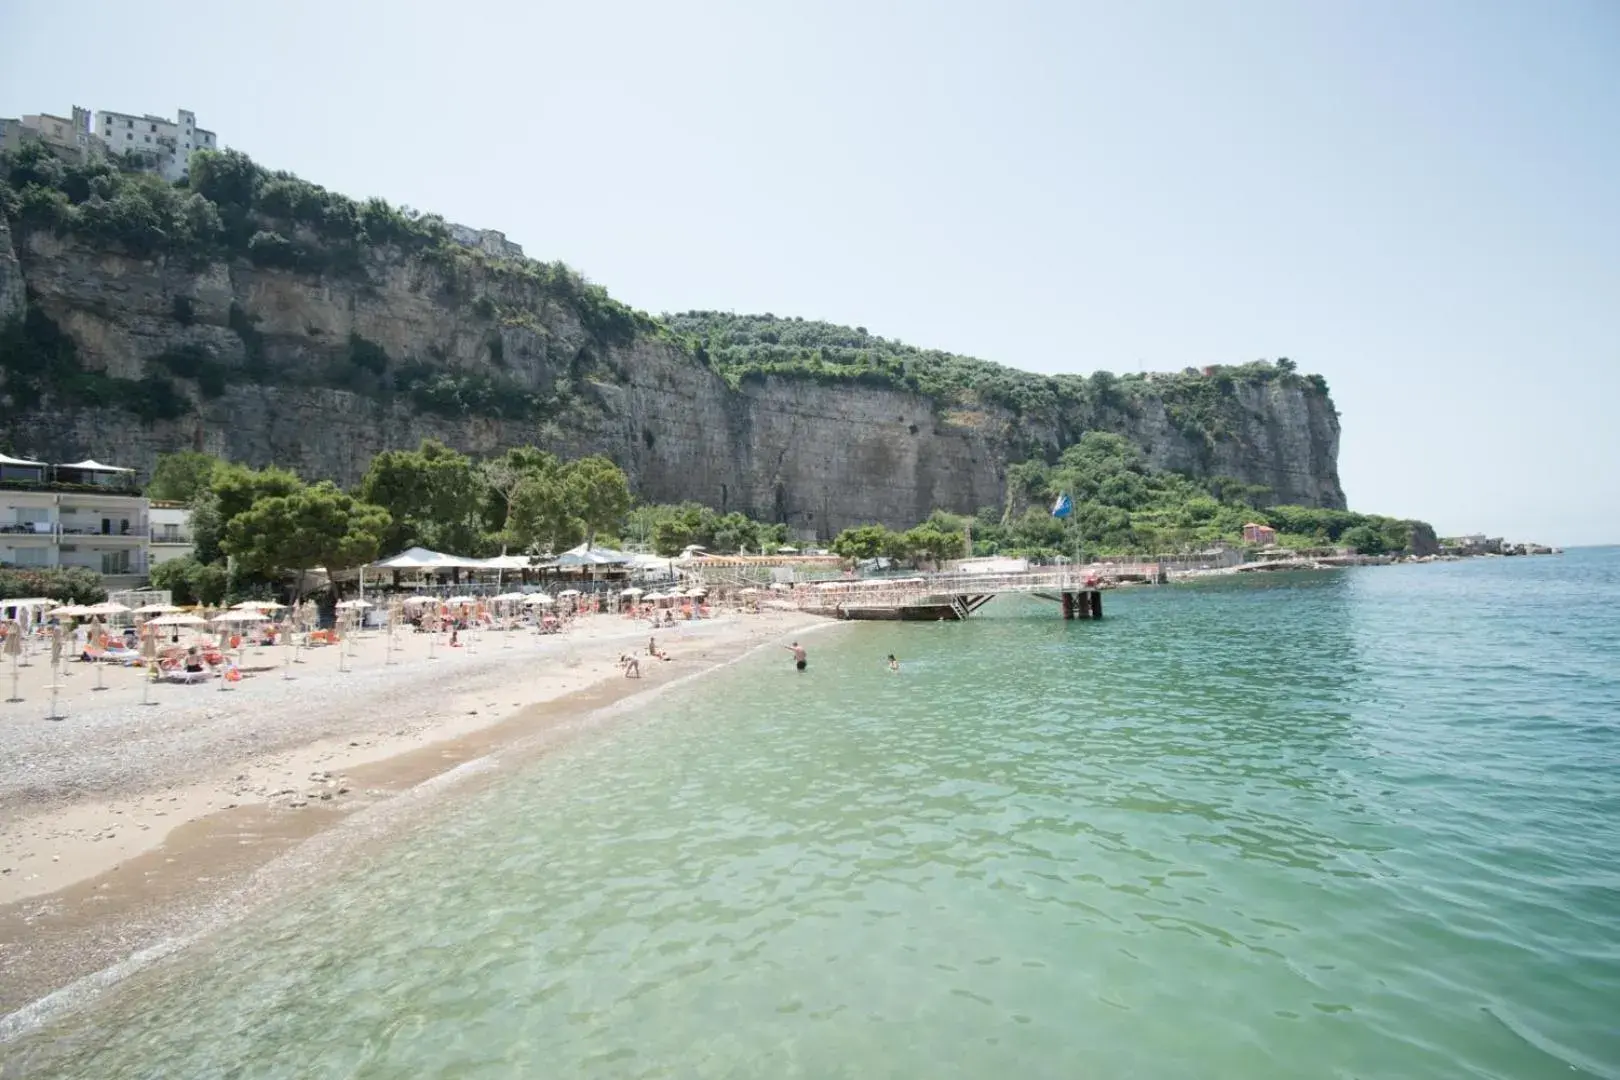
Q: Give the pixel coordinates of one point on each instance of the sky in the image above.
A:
(1421, 202)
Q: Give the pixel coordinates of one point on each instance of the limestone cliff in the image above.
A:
(129, 357)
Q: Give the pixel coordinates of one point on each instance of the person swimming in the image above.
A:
(894, 665)
(799, 659)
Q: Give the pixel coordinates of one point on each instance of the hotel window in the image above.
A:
(129, 123)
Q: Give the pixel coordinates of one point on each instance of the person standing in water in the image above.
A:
(894, 665)
(798, 654)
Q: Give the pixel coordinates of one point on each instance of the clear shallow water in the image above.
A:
(1364, 824)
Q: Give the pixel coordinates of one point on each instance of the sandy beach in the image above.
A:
(121, 821)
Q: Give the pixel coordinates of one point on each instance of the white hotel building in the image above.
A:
(166, 144)
(84, 514)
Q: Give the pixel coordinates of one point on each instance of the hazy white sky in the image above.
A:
(1420, 201)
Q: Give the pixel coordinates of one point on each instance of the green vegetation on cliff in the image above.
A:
(751, 347)
(1123, 507)
(231, 208)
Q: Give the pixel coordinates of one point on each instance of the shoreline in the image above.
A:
(106, 909)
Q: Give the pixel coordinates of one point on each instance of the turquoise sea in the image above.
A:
(1355, 824)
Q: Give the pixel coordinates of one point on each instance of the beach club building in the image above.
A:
(81, 514)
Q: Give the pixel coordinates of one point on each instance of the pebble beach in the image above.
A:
(138, 807)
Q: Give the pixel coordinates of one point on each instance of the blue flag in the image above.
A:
(1063, 507)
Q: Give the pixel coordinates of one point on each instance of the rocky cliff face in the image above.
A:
(319, 372)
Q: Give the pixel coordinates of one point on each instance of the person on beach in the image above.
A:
(894, 665)
(652, 646)
(797, 650)
(632, 666)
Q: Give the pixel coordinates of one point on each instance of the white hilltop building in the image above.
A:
(163, 145)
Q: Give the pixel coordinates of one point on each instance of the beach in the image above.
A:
(121, 822)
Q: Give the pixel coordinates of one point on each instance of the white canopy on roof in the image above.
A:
(505, 562)
(6, 459)
(584, 556)
(420, 558)
(92, 465)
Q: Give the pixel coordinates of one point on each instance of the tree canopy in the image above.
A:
(310, 527)
(179, 477)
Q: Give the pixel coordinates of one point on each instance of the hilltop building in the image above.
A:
(69, 136)
(162, 145)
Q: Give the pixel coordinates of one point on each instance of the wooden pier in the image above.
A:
(954, 597)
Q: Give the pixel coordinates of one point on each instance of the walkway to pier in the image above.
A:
(948, 596)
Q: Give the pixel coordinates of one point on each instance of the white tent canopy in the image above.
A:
(420, 558)
(584, 556)
(505, 562)
(92, 465)
(6, 459)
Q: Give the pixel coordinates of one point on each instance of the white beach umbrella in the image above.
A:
(697, 592)
(156, 609)
(71, 611)
(235, 616)
(411, 601)
(512, 597)
(353, 605)
(178, 620)
(538, 598)
(106, 608)
(257, 605)
(632, 591)
(462, 600)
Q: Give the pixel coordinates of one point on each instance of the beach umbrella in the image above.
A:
(569, 592)
(235, 616)
(409, 600)
(354, 605)
(181, 619)
(71, 611)
(538, 598)
(632, 591)
(462, 600)
(750, 591)
(695, 592)
(106, 608)
(511, 598)
(257, 605)
(156, 609)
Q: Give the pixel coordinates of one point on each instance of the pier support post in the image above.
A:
(1068, 604)
(1096, 604)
